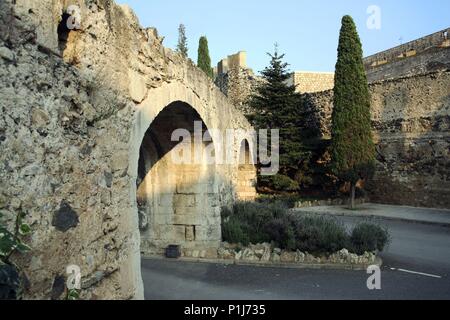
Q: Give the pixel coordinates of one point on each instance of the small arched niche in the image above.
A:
(246, 176)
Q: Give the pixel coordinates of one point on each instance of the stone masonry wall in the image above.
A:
(74, 110)
(411, 121)
(427, 54)
(309, 82)
(237, 60)
(238, 84)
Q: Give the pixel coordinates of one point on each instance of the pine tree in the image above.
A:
(352, 148)
(276, 105)
(203, 60)
(182, 41)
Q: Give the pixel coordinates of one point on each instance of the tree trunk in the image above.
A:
(352, 196)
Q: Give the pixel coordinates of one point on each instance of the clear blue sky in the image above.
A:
(306, 31)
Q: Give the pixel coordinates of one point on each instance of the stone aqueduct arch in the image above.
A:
(196, 91)
(108, 81)
(177, 96)
(225, 188)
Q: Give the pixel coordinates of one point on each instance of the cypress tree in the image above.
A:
(203, 60)
(182, 41)
(352, 147)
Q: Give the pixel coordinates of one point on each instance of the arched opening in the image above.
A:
(246, 176)
(177, 195)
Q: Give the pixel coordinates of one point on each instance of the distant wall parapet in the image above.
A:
(430, 53)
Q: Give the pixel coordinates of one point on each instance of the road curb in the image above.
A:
(317, 266)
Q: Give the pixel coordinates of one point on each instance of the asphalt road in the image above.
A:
(422, 249)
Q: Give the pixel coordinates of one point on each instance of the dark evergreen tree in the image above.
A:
(276, 105)
(352, 148)
(204, 61)
(182, 41)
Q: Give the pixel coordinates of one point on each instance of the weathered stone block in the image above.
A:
(187, 219)
(119, 161)
(39, 117)
(137, 86)
(183, 200)
(287, 256)
(179, 233)
(190, 233)
(207, 233)
(189, 211)
(165, 200)
(6, 54)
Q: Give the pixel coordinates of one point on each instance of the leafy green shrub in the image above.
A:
(281, 231)
(279, 182)
(321, 235)
(226, 213)
(287, 200)
(247, 221)
(11, 280)
(290, 200)
(284, 183)
(233, 232)
(11, 242)
(252, 222)
(368, 237)
(252, 219)
(73, 294)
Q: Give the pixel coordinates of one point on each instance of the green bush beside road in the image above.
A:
(369, 237)
(250, 222)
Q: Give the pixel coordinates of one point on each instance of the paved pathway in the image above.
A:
(423, 215)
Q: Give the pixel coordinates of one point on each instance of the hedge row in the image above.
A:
(249, 222)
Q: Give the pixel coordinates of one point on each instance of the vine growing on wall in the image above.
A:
(10, 243)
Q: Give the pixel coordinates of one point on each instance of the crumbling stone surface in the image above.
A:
(238, 84)
(265, 253)
(74, 111)
(411, 122)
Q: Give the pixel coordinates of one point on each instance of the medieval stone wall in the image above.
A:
(310, 82)
(75, 107)
(237, 60)
(427, 54)
(238, 84)
(411, 121)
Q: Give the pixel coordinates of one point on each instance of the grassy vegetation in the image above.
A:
(250, 222)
